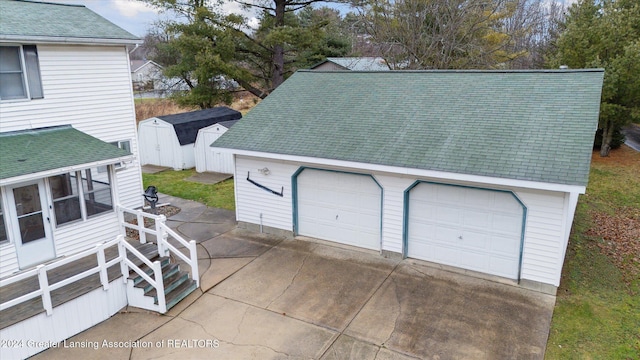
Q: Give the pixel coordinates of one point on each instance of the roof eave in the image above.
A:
(63, 170)
(528, 184)
(68, 40)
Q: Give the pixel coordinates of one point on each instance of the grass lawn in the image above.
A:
(597, 313)
(173, 183)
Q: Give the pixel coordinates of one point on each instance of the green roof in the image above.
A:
(526, 125)
(33, 151)
(32, 20)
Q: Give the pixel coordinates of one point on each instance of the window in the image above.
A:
(97, 191)
(20, 73)
(66, 200)
(3, 229)
(73, 200)
(124, 145)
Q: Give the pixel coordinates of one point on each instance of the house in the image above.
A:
(69, 174)
(475, 171)
(169, 140)
(208, 160)
(146, 74)
(352, 63)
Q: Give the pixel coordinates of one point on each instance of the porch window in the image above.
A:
(20, 73)
(97, 191)
(3, 229)
(66, 200)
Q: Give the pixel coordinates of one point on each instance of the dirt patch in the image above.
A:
(623, 156)
(620, 235)
(158, 107)
(149, 223)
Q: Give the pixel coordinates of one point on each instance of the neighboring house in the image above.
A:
(68, 167)
(208, 160)
(474, 170)
(169, 140)
(146, 75)
(352, 63)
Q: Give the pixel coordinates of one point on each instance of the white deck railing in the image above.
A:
(162, 233)
(45, 288)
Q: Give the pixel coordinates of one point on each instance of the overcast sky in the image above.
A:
(136, 17)
(132, 15)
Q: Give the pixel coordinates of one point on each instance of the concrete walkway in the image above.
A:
(265, 297)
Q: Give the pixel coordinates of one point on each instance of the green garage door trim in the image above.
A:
(405, 226)
(294, 194)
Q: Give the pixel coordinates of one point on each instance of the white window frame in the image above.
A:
(25, 76)
(119, 143)
(3, 211)
(81, 196)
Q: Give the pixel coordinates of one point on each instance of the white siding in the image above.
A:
(8, 260)
(159, 145)
(67, 320)
(209, 159)
(544, 240)
(393, 210)
(88, 87)
(82, 235)
(188, 159)
(251, 201)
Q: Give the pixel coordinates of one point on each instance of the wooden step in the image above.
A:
(136, 278)
(179, 293)
(148, 250)
(170, 283)
(167, 271)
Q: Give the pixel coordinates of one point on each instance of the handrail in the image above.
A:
(161, 232)
(157, 282)
(134, 267)
(140, 215)
(192, 260)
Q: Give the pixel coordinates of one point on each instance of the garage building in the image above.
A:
(474, 171)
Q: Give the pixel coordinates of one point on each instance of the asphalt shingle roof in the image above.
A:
(187, 124)
(526, 125)
(42, 19)
(32, 151)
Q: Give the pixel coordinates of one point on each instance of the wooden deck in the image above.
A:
(34, 306)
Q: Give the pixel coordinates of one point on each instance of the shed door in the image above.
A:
(470, 228)
(213, 159)
(341, 207)
(164, 146)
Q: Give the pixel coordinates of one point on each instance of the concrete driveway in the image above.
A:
(265, 297)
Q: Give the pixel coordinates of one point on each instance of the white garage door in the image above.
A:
(340, 207)
(470, 228)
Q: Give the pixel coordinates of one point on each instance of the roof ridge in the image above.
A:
(40, 129)
(51, 3)
(464, 71)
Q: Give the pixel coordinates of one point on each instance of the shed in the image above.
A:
(209, 159)
(169, 140)
(480, 172)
